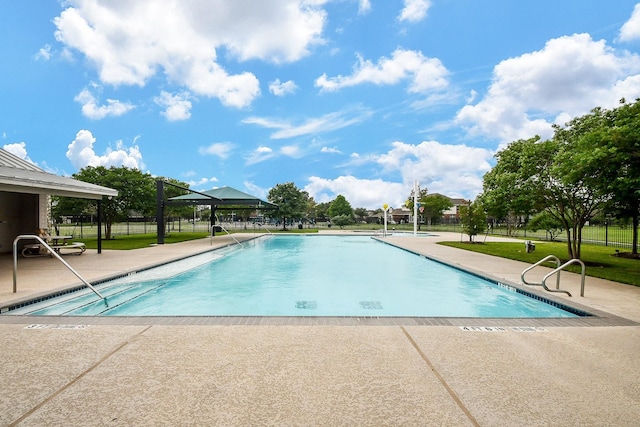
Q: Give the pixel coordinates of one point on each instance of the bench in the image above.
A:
(76, 248)
(36, 250)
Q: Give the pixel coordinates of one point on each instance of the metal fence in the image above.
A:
(614, 236)
(605, 235)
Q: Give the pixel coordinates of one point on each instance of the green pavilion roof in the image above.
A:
(223, 196)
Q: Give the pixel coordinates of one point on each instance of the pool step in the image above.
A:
(86, 304)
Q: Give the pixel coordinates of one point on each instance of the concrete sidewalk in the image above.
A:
(66, 373)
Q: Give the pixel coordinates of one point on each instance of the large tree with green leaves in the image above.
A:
(532, 176)
(507, 192)
(624, 141)
(340, 211)
(473, 219)
(136, 193)
(605, 155)
(434, 206)
(291, 201)
(340, 206)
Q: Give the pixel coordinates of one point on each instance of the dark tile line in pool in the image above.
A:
(320, 321)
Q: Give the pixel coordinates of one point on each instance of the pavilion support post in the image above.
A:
(160, 211)
(99, 226)
(213, 220)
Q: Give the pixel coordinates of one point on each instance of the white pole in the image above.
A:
(385, 207)
(415, 208)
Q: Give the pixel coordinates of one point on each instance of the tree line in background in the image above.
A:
(137, 197)
(589, 169)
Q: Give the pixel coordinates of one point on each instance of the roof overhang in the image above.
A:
(36, 182)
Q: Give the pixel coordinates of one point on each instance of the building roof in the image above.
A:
(20, 176)
(223, 196)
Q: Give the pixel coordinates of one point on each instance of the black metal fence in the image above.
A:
(605, 235)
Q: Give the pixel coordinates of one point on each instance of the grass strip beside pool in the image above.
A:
(601, 261)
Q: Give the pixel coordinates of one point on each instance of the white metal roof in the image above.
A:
(20, 176)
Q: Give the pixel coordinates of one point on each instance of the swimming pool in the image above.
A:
(303, 275)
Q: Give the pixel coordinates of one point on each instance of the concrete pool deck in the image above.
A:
(65, 371)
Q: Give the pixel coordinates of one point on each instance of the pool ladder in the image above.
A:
(556, 271)
(53, 253)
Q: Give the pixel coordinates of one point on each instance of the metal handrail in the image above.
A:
(226, 231)
(547, 258)
(557, 270)
(261, 225)
(52, 252)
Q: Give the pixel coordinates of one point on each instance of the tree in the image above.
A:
(601, 155)
(291, 201)
(136, 193)
(606, 156)
(174, 190)
(321, 211)
(342, 220)
(340, 211)
(361, 213)
(533, 176)
(473, 219)
(545, 221)
(434, 206)
(340, 206)
(506, 192)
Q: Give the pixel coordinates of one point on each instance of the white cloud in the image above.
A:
(439, 167)
(281, 89)
(255, 190)
(630, 31)
(131, 42)
(260, 154)
(177, 107)
(330, 150)
(81, 153)
(327, 123)
(92, 110)
(364, 6)
(44, 53)
(291, 151)
(414, 10)
(18, 149)
(367, 193)
(567, 78)
(424, 74)
(202, 182)
(219, 149)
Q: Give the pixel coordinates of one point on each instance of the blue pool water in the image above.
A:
(303, 276)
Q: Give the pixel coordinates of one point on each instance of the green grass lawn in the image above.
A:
(137, 241)
(600, 260)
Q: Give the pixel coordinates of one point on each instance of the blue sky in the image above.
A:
(351, 97)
